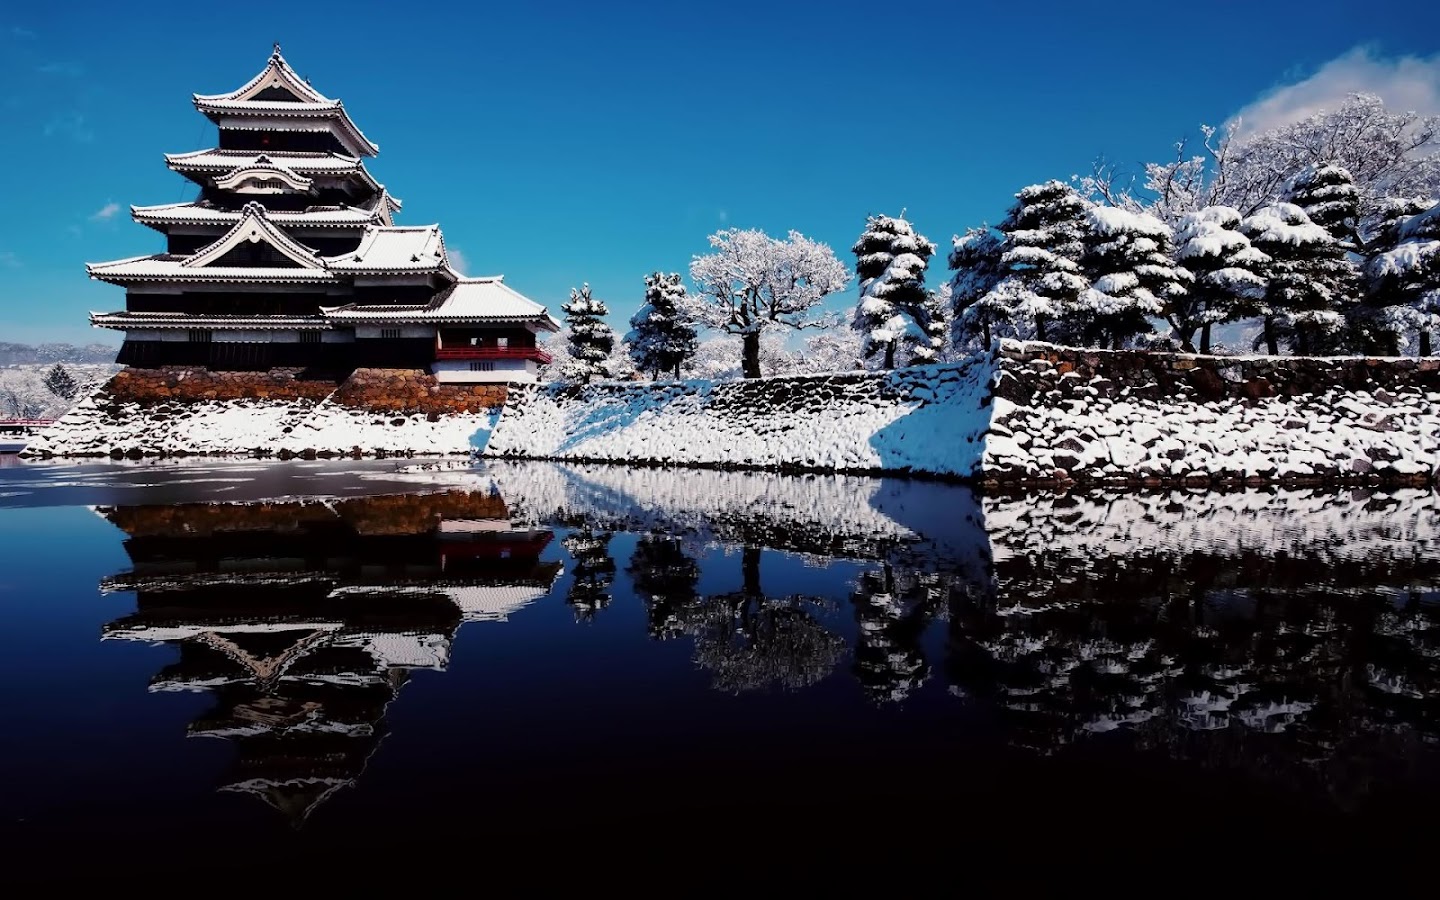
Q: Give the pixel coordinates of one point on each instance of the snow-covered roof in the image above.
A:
(487, 300)
(193, 213)
(277, 73)
(171, 267)
(307, 102)
(215, 162)
(179, 320)
(264, 168)
(394, 248)
(255, 227)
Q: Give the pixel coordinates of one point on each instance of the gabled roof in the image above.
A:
(264, 168)
(479, 300)
(392, 248)
(181, 320)
(384, 207)
(199, 213)
(218, 162)
(307, 103)
(254, 226)
(277, 73)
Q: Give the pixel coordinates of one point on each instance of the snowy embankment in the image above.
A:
(177, 410)
(302, 426)
(1125, 418)
(923, 420)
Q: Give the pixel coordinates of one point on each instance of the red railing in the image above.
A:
(534, 353)
(26, 423)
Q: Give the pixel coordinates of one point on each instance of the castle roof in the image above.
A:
(469, 300)
(278, 92)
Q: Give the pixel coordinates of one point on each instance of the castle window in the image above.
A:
(309, 337)
(390, 333)
(201, 336)
(482, 366)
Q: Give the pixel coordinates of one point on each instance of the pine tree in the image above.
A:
(1402, 278)
(975, 310)
(1329, 197)
(661, 339)
(1222, 272)
(60, 383)
(934, 323)
(1043, 243)
(890, 262)
(1127, 259)
(591, 340)
(1311, 282)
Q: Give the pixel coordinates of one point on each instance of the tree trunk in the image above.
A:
(1425, 342)
(1272, 343)
(751, 359)
(1115, 342)
(1040, 328)
(677, 370)
(1302, 342)
(1205, 338)
(889, 354)
(985, 330)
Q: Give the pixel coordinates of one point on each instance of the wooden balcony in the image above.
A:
(535, 353)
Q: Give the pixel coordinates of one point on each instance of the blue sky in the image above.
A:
(566, 142)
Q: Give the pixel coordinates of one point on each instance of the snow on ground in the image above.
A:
(247, 425)
(925, 419)
(24, 394)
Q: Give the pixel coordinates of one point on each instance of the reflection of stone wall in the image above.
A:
(385, 514)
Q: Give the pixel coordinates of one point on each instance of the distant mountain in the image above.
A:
(21, 354)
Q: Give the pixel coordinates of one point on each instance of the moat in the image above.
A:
(238, 659)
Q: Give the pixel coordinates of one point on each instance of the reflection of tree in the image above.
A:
(594, 571)
(664, 578)
(749, 641)
(1308, 672)
(892, 612)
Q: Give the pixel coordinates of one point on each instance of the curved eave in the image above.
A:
(212, 276)
(184, 164)
(352, 135)
(125, 321)
(162, 221)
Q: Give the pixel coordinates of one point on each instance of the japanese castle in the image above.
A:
(290, 257)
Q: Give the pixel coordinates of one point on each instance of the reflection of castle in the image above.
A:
(305, 618)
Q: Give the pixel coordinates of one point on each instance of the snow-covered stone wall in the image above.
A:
(176, 410)
(1024, 414)
(924, 420)
(1126, 418)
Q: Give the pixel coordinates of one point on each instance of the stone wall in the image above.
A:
(1022, 415)
(378, 390)
(186, 410)
(1124, 418)
(926, 420)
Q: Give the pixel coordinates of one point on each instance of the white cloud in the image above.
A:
(8, 260)
(71, 125)
(458, 262)
(1404, 83)
(724, 216)
(105, 213)
(62, 68)
(21, 34)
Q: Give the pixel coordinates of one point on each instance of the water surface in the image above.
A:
(241, 659)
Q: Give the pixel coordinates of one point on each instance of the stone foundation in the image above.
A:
(180, 410)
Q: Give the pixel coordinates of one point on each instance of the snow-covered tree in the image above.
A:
(1403, 277)
(754, 283)
(1329, 197)
(890, 262)
(60, 383)
(1127, 260)
(835, 350)
(976, 312)
(933, 320)
(661, 339)
(1041, 260)
(591, 340)
(1386, 153)
(1221, 271)
(1311, 282)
